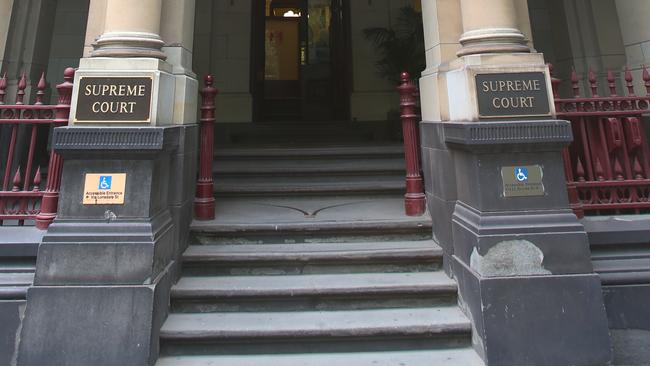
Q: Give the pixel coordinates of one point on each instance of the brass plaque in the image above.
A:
(522, 181)
(114, 100)
(522, 94)
(104, 189)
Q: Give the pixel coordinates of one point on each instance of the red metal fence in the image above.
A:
(21, 196)
(608, 164)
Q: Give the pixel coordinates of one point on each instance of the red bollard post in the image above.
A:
(415, 199)
(204, 203)
(50, 201)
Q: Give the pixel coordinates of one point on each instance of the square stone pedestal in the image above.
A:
(104, 270)
(124, 91)
(521, 257)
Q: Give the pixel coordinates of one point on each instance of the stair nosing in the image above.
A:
(376, 284)
(414, 326)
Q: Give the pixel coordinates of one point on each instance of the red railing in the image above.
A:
(21, 196)
(608, 164)
(414, 199)
(204, 203)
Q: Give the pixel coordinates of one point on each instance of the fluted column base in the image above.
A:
(129, 44)
(493, 40)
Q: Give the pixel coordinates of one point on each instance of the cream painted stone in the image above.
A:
(634, 21)
(163, 88)
(177, 23)
(133, 16)
(186, 100)
(461, 84)
(132, 33)
(442, 27)
(6, 7)
(181, 60)
(523, 21)
(95, 24)
(490, 29)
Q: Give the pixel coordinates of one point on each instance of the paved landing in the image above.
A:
(310, 210)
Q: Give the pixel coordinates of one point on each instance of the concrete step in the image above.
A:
(290, 328)
(323, 292)
(439, 357)
(294, 259)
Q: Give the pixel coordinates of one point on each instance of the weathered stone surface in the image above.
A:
(11, 316)
(518, 320)
(102, 325)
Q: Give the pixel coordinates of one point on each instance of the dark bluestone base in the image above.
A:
(94, 325)
(104, 272)
(522, 261)
(620, 248)
(536, 320)
(440, 185)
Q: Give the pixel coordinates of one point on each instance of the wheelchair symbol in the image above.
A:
(521, 174)
(105, 182)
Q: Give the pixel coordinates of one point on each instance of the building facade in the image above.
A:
(536, 281)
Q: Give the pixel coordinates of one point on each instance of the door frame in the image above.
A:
(341, 60)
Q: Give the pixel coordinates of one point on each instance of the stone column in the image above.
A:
(635, 28)
(131, 29)
(490, 27)
(95, 24)
(497, 194)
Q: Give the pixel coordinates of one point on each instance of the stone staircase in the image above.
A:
(340, 170)
(327, 276)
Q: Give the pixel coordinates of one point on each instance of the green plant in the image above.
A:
(401, 46)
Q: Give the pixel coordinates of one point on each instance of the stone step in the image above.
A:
(438, 357)
(17, 265)
(224, 231)
(325, 326)
(310, 152)
(294, 259)
(310, 185)
(323, 292)
(321, 167)
(13, 286)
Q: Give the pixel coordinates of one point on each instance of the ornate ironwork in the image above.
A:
(608, 164)
(21, 196)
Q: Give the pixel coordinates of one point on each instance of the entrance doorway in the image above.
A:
(301, 60)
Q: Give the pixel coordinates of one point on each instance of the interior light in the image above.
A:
(291, 14)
